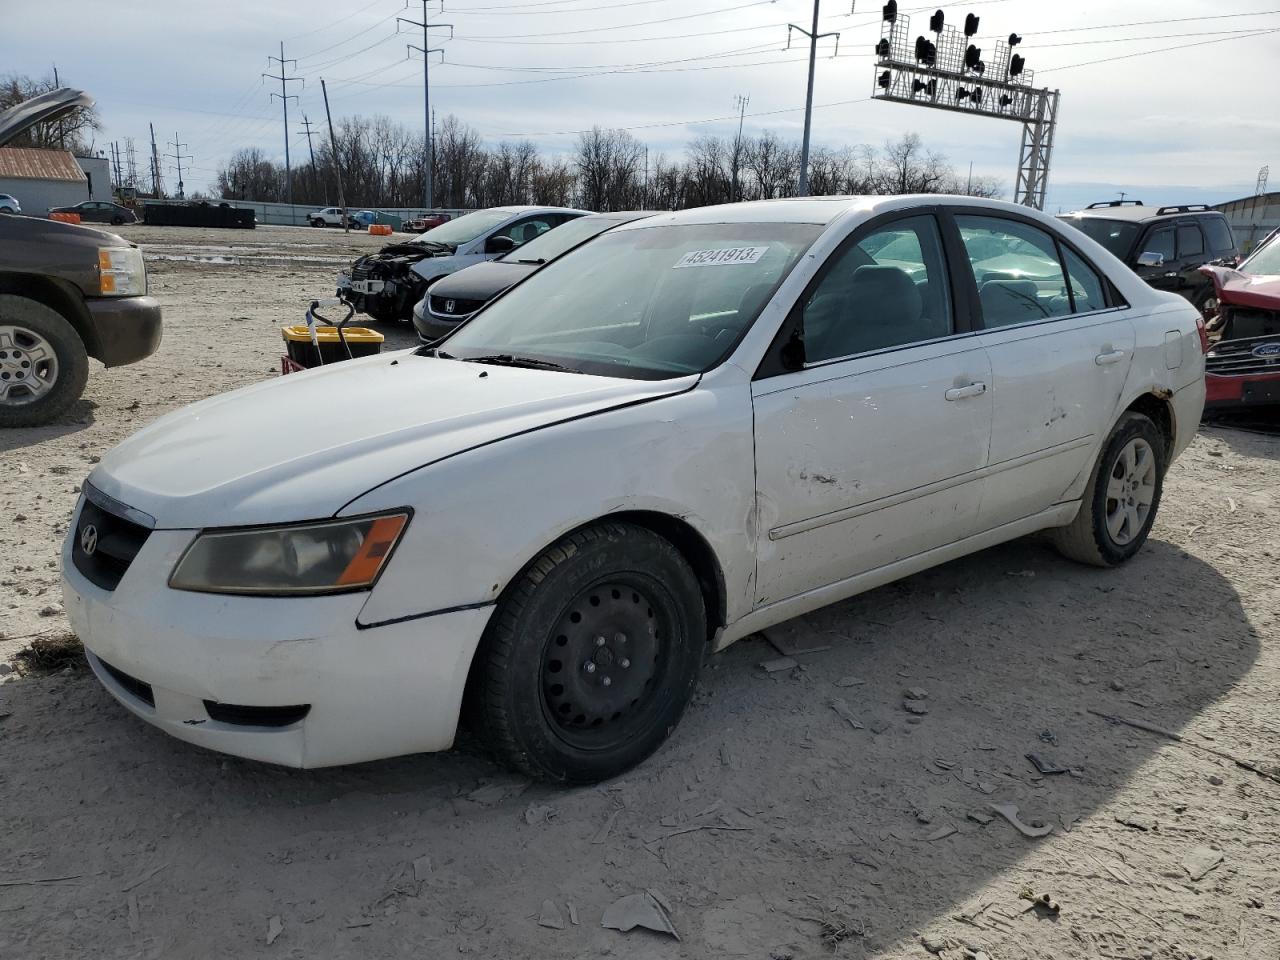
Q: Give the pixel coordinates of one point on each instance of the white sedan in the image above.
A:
(696, 426)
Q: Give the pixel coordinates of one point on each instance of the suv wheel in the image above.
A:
(43, 363)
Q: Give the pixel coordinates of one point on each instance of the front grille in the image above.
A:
(1250, 355)
(137, 687)
(256, 716)
(459, 308)
(113, 542)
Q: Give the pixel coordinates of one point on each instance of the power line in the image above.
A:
(328, 26)
(1147, 53)
(641, 23)
(284, 96)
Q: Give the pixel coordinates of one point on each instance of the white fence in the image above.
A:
(295, 214)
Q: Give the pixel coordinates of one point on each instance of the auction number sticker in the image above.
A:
(723, 257)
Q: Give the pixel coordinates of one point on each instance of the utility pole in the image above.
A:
(178, 156)
(309, 133)
(742, 100)
(428, 193)
(284, 96)
(814, 36)
(337, 163)
(115, 162)
(157, 183)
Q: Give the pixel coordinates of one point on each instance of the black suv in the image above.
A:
(1165, 246)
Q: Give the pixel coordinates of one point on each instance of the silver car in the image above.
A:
(9, 204)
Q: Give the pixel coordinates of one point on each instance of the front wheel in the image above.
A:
(591, 656)
(43, 363)
(1120, 503)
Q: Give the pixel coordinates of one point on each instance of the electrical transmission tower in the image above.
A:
(157, 181)
(130, 163)
(1263, 174)
(178, 156)
(428, 192)
(285, 96)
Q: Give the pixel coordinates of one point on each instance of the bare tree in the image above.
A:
(609, 169)
(906, 167)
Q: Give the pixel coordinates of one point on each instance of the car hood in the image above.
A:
(1245, 289)
(482, 281)
(303, 446)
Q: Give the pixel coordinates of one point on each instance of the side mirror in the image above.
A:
(1151, 259)
(499, 244)
(793, 354)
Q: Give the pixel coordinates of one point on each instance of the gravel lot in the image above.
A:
(772, 826)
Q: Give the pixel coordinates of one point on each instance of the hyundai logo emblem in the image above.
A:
(89, 539)
(449, 305)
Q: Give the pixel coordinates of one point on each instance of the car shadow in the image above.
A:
(1248, 432)
(78, 416)
(828, 800)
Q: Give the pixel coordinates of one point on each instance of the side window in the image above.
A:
(1190, 241)
(1161, 242)
(1086, 285)
(889, 289)
(522, 231)
(1219, 234)
(1017, 270)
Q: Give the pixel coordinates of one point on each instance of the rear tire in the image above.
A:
(44, 365)
(591, 656)
(1121, 500)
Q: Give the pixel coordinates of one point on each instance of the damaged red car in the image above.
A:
(1243, 367)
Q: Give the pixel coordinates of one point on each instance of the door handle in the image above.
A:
(971, 390)
(1171, 276)
(1113, 356)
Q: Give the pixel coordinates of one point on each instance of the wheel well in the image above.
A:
(55, 295)
(1161, 414)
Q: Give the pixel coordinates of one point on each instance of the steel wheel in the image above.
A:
(605, 661)
(28, 366)
(1131, 490)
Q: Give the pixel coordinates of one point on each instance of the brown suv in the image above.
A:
(67, 293)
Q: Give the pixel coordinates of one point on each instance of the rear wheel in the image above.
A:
(1121, 500)
(591, 656)
(43, 363)
(117, 220)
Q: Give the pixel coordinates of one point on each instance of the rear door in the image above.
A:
(1059, 349)
(872, 451)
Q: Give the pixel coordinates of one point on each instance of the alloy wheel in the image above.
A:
(28, 365)
(1131, 487)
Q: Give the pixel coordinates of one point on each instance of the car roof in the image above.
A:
(534, 209)
(1136, 214)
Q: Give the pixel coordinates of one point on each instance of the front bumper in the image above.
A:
(377, 692)
(1245, 390)
(125, 329)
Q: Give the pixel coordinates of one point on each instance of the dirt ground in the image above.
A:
(773, 826)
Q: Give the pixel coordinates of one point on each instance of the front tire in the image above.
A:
(1122, 498)
(591, 656)
(43, 363)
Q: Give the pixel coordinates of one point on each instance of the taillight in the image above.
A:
(1204, 334)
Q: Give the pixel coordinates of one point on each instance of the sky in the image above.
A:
(1192, 124)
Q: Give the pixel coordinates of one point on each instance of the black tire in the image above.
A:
(29, 320)
(117, 220)
(542, 691)
(1088, 538)
(317, 222)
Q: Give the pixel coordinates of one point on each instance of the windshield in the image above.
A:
(549, 245)
(648, 303)
(1116, 235)
(466, 228)
(1265, 261)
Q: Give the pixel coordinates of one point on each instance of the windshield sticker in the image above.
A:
(720, 258)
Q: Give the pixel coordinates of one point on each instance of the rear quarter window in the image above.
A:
(1218, 233)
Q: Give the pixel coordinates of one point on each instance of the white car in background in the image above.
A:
(693, 427)
(9, 204)
(328, 217)
(387, 284)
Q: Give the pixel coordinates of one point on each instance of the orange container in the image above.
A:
(380, 229)
(65, 217)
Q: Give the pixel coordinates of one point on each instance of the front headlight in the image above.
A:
(121, 272)
(332, 556)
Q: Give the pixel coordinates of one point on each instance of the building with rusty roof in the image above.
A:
(41, 179)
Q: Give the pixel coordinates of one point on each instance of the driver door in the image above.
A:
(873, 451)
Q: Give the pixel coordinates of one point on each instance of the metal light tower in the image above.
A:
(949, 73)
(428, 192)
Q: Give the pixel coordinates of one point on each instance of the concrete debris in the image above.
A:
(843, 711)
(977, 816)
(934, 945)
(573, 912)
(1033, 831)
(793, 639)
(1215, 780)
(549, 916)
(1200, 861)
(915, 693)
(639, 910)
(918, 707)
(275, 927)
(1045, 765)
(421, 869)
(778, 664)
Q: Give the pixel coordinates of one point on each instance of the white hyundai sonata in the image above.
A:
(693, 427)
